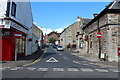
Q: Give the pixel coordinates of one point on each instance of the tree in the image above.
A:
(52, 40)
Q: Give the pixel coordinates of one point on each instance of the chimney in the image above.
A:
(95, 15)
(78, 19)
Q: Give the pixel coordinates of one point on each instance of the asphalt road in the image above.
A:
(60, 64)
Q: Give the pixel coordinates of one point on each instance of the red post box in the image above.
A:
(118, 51)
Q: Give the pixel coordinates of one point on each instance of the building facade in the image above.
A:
(69, 36)
(108, 23)
(37, 38)
(15, 17)
(53, 35)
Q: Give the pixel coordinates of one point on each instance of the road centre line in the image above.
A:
(66, 58)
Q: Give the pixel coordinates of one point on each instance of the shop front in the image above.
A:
(10, 44)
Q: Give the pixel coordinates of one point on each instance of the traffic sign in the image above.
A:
(18, 35)
(99, 35)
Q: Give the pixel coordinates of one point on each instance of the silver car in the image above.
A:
(59, 48)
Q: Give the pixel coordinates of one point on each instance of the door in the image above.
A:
(7, 45)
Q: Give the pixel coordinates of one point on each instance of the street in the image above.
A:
(60, 64)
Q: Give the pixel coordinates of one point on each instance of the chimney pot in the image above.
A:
(95, 15)
(78, 18)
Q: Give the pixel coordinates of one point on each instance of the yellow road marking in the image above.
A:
(29, 63)
(33, 62)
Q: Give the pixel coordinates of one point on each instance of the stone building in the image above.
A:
(69, 36)
(108, 23)
(53, 34)
(45, 38)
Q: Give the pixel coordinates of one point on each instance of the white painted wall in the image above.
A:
(3, 7)
(23, 13)
(34, 45)
(23, 16)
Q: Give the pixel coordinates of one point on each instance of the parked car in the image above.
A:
(54, 46)
(60, 48)
(45, 45)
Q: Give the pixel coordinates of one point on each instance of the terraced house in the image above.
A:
(69, 36)
(108, 23)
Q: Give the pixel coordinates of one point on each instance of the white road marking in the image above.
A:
(101, 70)
(60, 54)
(43, 69)
(31, 68)
(45, 50)
(76, 62)
(114, 70)
(14, 69)
(72, 69)
(52, 59)
(87, 70)
(83, 61)
(89, 65)
(2, 68)
(20, 67)
(66, 58)
(58, 69)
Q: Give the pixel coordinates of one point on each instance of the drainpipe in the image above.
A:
(99, 41)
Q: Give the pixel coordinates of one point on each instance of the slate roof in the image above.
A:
(116, 5)
(85, 21)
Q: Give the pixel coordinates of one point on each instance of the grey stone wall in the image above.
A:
(109, 41)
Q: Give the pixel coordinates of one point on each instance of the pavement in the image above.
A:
(22, 61)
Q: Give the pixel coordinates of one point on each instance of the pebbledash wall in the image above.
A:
(17, 20)
(37, 38)
(108, 23)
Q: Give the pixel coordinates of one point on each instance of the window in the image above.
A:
(20, 45)
(91, 41)
(13, 9)
(6, 33)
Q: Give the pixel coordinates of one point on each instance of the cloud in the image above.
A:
(48, 30)
(45, 30)
(34, 23)
(59, 30)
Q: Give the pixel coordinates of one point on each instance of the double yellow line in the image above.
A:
(36, 61)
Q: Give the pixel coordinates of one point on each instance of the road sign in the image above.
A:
(99, 35)
(18, 35)
(52, 59)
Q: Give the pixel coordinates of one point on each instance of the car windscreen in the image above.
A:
(59, 46)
